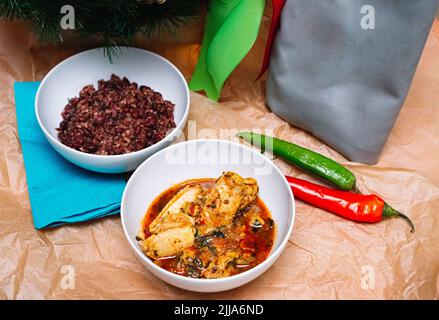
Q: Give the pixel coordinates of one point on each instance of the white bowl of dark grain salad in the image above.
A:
(109, 116)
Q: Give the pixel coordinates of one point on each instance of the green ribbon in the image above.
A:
(232, 27)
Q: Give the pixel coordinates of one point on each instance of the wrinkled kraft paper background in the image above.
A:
(327, 257)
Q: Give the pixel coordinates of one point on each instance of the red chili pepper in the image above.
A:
(349, 205)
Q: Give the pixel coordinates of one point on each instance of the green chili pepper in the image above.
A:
(304, 158)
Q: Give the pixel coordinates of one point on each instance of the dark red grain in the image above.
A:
(119, 117)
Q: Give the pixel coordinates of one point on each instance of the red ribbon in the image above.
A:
(274, 28)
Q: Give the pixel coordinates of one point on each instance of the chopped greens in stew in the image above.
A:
(208, 228)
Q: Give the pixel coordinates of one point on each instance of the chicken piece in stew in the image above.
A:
(207, 228)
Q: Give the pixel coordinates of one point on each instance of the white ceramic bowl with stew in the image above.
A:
(68, 78)
(207, 159)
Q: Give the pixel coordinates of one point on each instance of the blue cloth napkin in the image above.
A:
(59, 191)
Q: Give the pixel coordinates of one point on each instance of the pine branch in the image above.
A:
(116, 22)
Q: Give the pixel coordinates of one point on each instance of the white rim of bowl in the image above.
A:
(175, 131)
(273, 254)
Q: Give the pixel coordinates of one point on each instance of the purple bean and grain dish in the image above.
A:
(116, 118)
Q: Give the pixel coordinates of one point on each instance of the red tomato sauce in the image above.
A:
(250, 239)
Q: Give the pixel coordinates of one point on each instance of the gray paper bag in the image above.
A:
(341, 69)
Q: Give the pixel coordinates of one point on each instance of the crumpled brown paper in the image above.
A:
(327, 257)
